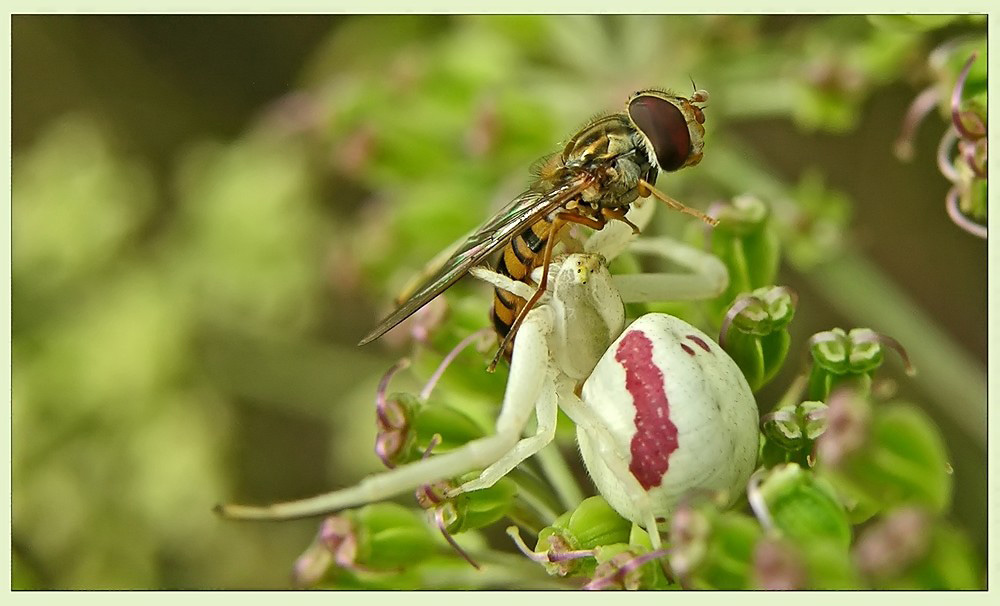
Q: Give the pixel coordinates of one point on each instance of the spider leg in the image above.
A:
(546, 412)
(514, 287)
(529, 382)
(405, 478)
(524, 389)
(610, 451)
(707, 278)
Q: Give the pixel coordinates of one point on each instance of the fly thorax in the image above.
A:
(629, 172)
(623, 186)
(588, 313)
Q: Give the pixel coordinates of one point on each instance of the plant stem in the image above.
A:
(560, 476)
(499, 570)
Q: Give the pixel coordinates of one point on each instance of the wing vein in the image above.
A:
(497, 232)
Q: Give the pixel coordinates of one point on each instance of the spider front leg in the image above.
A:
(527, 389)
(546, 412)
(707, 276)
(529, 380)
(518, 289)
(529, 386)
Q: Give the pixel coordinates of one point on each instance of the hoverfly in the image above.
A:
(601, 170)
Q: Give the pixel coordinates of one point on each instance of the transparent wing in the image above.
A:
(494, 234)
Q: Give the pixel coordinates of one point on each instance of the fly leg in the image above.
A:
(617, 235)
(645, 189)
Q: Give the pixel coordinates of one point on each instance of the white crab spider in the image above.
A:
(663, 410)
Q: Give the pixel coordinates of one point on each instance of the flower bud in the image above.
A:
(624, 566)
(839, 356)
(755, 334)
(746, 243)
(381, 536)
(479, 508)
(712, 549)
(801, 506)
(591, 525)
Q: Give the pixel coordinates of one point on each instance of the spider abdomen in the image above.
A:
(681, 414)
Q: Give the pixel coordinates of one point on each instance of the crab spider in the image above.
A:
(660, 409)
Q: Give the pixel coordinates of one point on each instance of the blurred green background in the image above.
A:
(210, 211)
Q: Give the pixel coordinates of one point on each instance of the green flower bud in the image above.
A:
(407, 427)
(810, 530)
(829, 566)
(591, 525)
(812, 417)
(594, 523)
(395, 441)
(479, 508)
(746, 243)
(624, 566)
(754, 332)
(379, 537)
(800, 506)
(712, 549)
(795, 425)
(839, 356)
(454, 426)
(386, 535)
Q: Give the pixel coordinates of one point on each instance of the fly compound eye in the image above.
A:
(666, 128)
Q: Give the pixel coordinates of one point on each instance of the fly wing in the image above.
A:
(493, 235)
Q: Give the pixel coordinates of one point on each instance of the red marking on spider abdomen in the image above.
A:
(655, 434)
(701, 343)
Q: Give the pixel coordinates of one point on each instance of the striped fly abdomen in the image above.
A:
(518, 259)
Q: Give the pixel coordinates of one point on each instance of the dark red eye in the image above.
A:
(664, 124)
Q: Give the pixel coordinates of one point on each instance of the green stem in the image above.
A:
(793, 395)
(560, 476)
(536, 494)
(499, 570)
